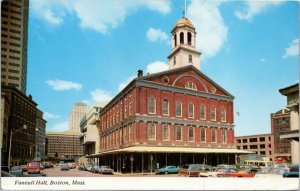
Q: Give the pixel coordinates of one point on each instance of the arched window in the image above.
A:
(181, 38)
(152, 132)
(151, 105)
(178, 133)
(223, 114)
(190, 58)
(178, 109)
(166, 133)
(191, 110)
(165, 107)
(191, 134)
(175, 40)
(203, 135)
(202, 112)
(223, 135)
(189, 37)
(190, 85)
(213, 135)
(213, 113)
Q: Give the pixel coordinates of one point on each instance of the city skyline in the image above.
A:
(77, 53)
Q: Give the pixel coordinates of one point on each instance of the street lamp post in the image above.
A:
(10, 140)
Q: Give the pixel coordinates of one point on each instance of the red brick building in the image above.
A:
(173, 117)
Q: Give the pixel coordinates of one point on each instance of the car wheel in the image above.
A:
(166, 172)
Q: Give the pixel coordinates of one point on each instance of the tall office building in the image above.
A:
(78, 111)
(14, 34)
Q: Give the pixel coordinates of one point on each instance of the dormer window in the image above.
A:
(190, 85)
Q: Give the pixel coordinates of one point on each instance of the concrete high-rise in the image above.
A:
(78, 111)
(14, 34)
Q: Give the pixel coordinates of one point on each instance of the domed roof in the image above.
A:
(184, 21)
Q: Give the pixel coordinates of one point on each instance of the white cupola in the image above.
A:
(184, 45)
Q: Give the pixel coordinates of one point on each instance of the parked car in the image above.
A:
(245, 172)
(95, 169)
(167, 170)
(82, 167)
(293, 171)
(219, 172)
(193, 170)
(33, 167)
(105, 170)
(42, 166)
(71, 165)
(24, 168)
(16, 170)
(89, 168)
(64, 167)
(271, 172)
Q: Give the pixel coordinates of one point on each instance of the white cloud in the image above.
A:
(156, 66)
(59, 127)
(253, 8)
(97, 15)
(292, 50)
(125, 83)
(51, 11)
(60, 85)
(154, 35)
(262, 60)
(211, 29)
(48, 116)
(99, 95)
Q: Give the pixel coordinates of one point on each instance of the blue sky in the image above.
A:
(86, 51)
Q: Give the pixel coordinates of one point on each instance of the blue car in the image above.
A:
(292, 172)
(16, 170)
(167, 170)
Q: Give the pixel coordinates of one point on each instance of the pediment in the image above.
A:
(184, 77)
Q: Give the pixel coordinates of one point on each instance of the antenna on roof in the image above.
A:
(184, 9)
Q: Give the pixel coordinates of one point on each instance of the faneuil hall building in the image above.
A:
(175, 117)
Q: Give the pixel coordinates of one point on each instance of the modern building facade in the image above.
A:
(173, 117)
(40, 135)
(78, 111)
(280, 123)
(4, 136)
(21, 112)
(64, 146)
(259, 144)
(90, 135)
(14, 34)
(292, 94)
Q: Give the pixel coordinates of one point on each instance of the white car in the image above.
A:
(271, 173)
(218, 172)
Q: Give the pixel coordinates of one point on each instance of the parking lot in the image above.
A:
(56, 172)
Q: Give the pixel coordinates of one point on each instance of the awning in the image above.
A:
(159, 149)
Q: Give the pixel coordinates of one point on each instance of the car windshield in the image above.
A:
(194, 167)
(220, 169)
(15, 168)
(278, 171)
(185, 166)
(33, 164)
(263, 171)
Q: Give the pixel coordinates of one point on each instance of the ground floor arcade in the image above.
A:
(147, 159)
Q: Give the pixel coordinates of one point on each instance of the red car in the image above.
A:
(245, 172)
(33, 167)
